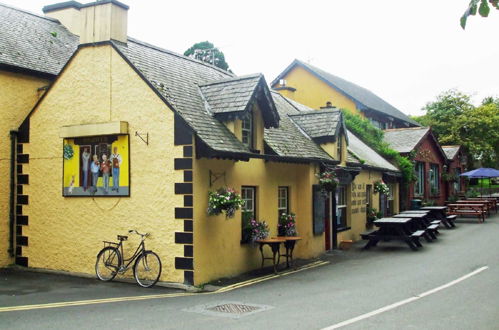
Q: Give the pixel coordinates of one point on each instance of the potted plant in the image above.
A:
(327, 180)
(287, 225)
(372, 214)
(224, 200)
(381, 187)
(257, 230)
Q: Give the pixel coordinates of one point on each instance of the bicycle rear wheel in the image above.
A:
(108, 263)
(147, 269)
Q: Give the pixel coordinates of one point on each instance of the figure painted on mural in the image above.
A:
(85, 161)
(116, 162)
(105, 168)
(94, 168)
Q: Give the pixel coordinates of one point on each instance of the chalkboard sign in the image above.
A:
(319, 203)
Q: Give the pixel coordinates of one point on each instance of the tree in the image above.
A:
(205, 51)
(482, 6)
(456, 121)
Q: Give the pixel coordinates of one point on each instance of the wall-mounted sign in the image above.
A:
(96, 166)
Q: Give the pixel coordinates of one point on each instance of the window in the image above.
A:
(247, 131)
(377, 124)
(248, 195)
(390, 197)
(282, 200)
(341, 206)
(419, 186)
(339, 149)
(434, 179)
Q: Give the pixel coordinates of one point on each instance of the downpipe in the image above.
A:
(12, 214)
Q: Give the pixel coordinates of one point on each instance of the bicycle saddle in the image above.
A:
(122, 238)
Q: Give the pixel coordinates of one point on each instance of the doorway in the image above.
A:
(331, 228)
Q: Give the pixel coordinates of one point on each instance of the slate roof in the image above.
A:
(371, 158)
(364, 98)
(451, 151)
(404, 140)
(287, 139)
(319, 123)
(33, 42)
(176, 78)
(230, 95)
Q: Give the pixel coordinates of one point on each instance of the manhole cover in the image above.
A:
(228, 309)
(234, 308)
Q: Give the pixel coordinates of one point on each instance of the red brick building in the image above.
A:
(420, 145)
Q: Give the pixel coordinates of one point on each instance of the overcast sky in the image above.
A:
(405, 51)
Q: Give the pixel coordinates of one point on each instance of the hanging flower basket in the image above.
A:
(225, 200)
(381, 187)
(327, 180)
(68, 152)
(287, 225)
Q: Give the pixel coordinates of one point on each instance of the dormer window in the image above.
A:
(247, 131)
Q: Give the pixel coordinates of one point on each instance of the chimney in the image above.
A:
(93, 22)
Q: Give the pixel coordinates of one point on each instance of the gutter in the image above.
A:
(12, 219)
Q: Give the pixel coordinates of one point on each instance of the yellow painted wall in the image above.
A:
(331, 149)
(66, 233)
(218, 251)
(313, 92)
(18, 95)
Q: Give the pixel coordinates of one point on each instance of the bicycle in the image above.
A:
(110, 262)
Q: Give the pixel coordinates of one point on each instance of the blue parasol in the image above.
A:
(482, 172)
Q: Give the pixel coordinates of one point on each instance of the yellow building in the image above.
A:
(317, 88)
(25, 73)
(176, 129)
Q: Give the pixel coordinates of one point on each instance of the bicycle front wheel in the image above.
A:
(147, 269)
(108, 263)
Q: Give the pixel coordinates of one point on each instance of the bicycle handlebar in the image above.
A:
(133, 231)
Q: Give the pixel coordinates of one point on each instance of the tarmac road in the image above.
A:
(452, 283)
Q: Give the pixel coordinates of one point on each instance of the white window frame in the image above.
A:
(247, 131)
(283, 200)
(434, 178)
(341, 206)
(248, 194)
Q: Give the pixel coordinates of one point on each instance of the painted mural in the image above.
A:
(96, 166)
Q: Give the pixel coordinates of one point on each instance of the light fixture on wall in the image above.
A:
(140, 135)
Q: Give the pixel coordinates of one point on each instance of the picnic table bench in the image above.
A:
(439, 213)
(393, 229)
(492, 202)
(478, 210)
(421, 223)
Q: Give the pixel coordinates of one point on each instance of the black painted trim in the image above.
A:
(183, 238)
(184, 263)
(23, 159)
(183, 163)
(188, 225)
(188, 151)
(19, 169)
(22, 199)
(188, 200)
(189, 277)
(19, 251)
(183, 213)
(182, 132)
(23, 131)
(22, 240)
(183, 188)
(22, 179)
(19, 230)
(22, 261)
(188, 176)
(20, 189)
(188, 251)
(22, 220)
(19, 209)
(26, 71)
(19, 148)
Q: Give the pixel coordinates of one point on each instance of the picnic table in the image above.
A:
(394, 229)
(491, 202)
(478, 210)
(421, 222)
(439, 213)
(274, 244)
